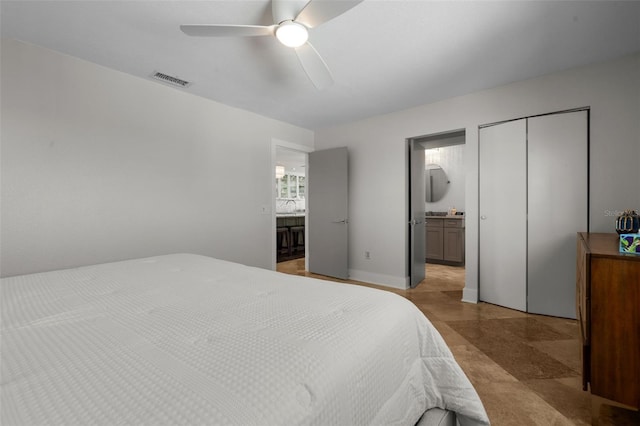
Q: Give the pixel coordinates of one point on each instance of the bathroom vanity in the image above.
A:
(445, 239)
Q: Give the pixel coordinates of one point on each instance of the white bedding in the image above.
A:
(186, 339)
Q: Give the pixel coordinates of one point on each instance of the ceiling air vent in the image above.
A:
(174, 81)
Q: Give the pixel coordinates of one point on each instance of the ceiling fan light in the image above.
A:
(292, 34)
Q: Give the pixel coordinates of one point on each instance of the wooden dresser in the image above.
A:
(608, 309)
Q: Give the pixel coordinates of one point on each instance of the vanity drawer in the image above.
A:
(434, 223)
(454, 223)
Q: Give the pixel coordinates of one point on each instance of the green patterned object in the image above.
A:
(630, 243)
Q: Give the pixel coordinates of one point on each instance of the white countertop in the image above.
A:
(296, 214)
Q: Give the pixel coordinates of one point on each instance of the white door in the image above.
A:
(417, 235)
(557, 189)
(327, 216)
(503, 214)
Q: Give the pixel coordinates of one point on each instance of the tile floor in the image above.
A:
(525, 368)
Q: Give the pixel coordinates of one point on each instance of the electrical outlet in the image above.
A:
(367, 255)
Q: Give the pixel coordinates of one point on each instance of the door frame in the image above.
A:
(526, 117)
(303, 149)
(429, 140)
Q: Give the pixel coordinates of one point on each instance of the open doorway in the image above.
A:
(291, 194)
(441, 205)
(289, 206)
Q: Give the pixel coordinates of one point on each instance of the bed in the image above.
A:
(184, 339)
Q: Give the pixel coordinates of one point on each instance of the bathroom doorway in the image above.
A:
(443, 182)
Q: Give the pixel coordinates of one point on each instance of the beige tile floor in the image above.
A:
(525, 368)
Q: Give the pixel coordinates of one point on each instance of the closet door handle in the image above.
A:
(483, 217)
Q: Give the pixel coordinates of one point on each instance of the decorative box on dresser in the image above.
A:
(608, 309)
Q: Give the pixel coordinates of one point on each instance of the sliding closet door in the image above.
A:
(503, 214)
(557, 188)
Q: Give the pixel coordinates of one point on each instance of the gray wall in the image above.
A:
(99, 166)
(377, 150)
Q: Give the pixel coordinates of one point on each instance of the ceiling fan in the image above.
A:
(291, 27)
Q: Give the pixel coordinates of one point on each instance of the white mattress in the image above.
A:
(185, 339)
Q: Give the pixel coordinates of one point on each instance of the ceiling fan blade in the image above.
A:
(317, 12)
(314, 66)
(284, 10)
(227, 30)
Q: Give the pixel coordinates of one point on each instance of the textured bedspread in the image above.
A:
(185, 339)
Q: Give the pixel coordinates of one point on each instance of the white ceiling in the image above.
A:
(293, 161)
(384, 55)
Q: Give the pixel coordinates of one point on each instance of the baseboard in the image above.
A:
(470, 295)
(380, 279)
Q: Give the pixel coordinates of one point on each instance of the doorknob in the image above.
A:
(483, 217)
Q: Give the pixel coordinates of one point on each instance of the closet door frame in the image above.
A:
(525, 224)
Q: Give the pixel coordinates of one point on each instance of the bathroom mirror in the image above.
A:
(436, 183)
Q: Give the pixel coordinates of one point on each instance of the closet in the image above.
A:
(533, 199)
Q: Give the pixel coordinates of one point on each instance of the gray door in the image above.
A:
(557, 191)
(417, 234)
(503, 214)
(328, 184)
